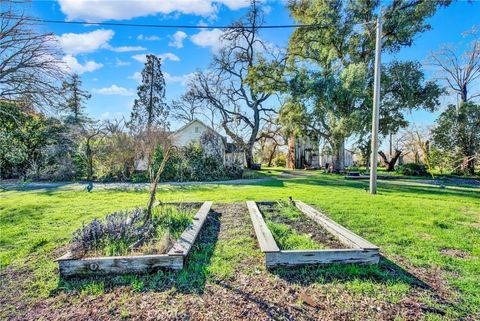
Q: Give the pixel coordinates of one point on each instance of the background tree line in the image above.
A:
(261, 96)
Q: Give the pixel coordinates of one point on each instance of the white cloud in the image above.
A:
(75, 43)
(165, 56)
(75, 67)
(182, 79)
(125, 48)
(137, 76)
(100, 10)
(88, 42)
(140, 58)
(266, 9)
(208, 38)
(169, 56)
(148, 38)
(121, 63)
(235, 4)
(105, 115)
(178, 38)
(114, 90)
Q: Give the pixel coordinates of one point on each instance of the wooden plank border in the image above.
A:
(264, 236)
(174, 259)
(185, 242)
(328, 256)
(343, 234)
(360, 251)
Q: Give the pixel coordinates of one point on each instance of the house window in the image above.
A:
(196, 129)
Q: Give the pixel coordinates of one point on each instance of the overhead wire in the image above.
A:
(165, 26)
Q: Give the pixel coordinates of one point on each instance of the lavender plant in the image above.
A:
(126, 231)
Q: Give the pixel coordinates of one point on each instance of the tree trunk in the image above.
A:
(272, 154)
(291, 152)
(89, 156)
(471, 165)
(390, 163)
(249, 156)
(153, 187)
(339, 155)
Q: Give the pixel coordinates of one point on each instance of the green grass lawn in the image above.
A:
(429, 231)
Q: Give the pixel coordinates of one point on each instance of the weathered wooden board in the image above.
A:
(304, 257)
(361, 251)
(343, 234)
(264, 236)
(70, 266)
(118, 265)
(183, 245)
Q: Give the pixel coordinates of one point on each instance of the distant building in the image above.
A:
(211, 141)
(306, 154)
(326, 158)
(215, 144)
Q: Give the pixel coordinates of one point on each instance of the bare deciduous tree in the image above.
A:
(30, 65)
(237, 85)
(460, 71)
(270, 140)
(188, 107)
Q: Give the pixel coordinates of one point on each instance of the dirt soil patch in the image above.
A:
(225, 279)
(455, 253)
(302, 224)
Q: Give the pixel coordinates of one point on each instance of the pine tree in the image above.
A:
(75, 99)
(149, 108)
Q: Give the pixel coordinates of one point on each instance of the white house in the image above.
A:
(215, 144)
(197, 132)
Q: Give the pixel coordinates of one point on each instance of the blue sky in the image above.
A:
(110, 58)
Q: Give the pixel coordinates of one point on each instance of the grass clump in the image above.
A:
(288, 211)
(277, 217)
(127, 232)
(289, 239)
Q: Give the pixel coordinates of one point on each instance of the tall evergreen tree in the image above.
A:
(150, 108)
(75, 98)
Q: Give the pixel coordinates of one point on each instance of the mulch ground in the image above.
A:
(251, 293)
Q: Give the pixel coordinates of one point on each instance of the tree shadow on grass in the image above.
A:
(385, 188)
(385, 272)
(191, 279)
(273, 310)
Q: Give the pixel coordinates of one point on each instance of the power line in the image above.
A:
(126, 24)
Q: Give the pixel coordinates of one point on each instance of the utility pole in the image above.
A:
(376, 106)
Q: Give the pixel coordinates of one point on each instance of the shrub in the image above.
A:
(352, 168)
(413, 169)
(280, 160)
(194, 163)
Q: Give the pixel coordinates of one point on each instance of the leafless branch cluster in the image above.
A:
(30, 68)
(231, 86)
(460, 71)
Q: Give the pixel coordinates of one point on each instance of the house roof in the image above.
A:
(175, 133)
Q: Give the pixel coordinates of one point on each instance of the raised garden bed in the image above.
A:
(162, 249)
(299, 242)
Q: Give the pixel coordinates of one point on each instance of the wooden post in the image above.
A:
(376, 106)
